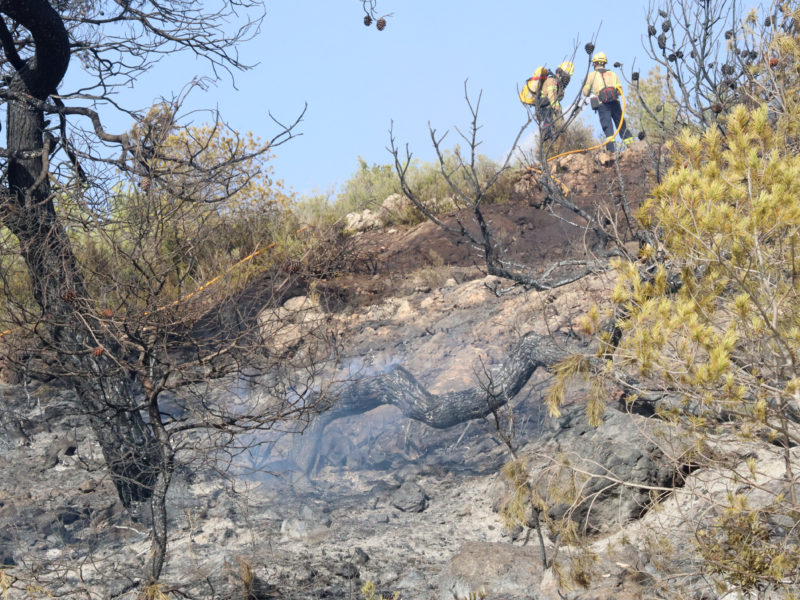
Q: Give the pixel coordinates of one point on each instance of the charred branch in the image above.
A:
(399, 388)
(471, 198)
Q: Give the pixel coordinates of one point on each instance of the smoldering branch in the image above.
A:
(401, 389)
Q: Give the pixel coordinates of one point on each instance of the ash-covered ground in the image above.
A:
(390, 501)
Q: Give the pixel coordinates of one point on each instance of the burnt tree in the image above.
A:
(29, 213)
(109, 241)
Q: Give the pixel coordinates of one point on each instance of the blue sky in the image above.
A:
(357, 80)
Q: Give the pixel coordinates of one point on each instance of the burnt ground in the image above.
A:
(528, 228)
(415, 296)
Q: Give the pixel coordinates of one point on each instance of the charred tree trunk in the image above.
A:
(29, 212)
(399, 388)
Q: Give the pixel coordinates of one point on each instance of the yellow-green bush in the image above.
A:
(726, 219)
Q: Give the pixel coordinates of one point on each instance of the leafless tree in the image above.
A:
(113, 284)
(604, 236)
(713, 56)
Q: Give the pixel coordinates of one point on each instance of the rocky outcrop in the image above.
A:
(396, 208)
(400, 388)
(500, 571)
(601, 477)
(494, 569)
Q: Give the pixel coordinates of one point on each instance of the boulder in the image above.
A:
(602, 477)
(363, 221)
(494, 569)
(410, 497)
(395, 208)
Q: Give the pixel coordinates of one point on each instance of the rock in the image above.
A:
(69, 515)
(300, 303)
(296, 529)
(493, 569)
(624, 448)
(396, 207)
(410, 497)
(57, 447)
(363, 221)
(347, 570)
(574, 163)
(360, 557)
(87, 486)
(6, 558)
(606, 158)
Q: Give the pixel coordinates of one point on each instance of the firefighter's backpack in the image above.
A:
(608, 93)
(533, 87)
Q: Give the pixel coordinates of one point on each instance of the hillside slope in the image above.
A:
(390, 501)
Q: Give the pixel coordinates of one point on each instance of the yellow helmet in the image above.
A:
(599, 58)
(567, 67)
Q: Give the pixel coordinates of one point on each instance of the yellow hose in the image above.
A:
(198, 290)
(215, 279)
(608, 140)
(265, 248)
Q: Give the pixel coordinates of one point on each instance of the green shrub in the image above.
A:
(367, 188)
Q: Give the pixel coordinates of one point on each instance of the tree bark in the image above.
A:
(104, 391)
(399, 388)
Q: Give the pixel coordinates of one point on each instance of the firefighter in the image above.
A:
(603, 89)
(548, 109)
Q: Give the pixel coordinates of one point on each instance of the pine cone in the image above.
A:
(635, 76)
(662, 41)
(367, 20)
(589, 48)
(651, 30)
(381, 24)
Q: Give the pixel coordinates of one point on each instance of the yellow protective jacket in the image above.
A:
(552, 92)
(599, 79)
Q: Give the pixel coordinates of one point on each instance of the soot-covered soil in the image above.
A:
(529, 228)
(390, 501)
